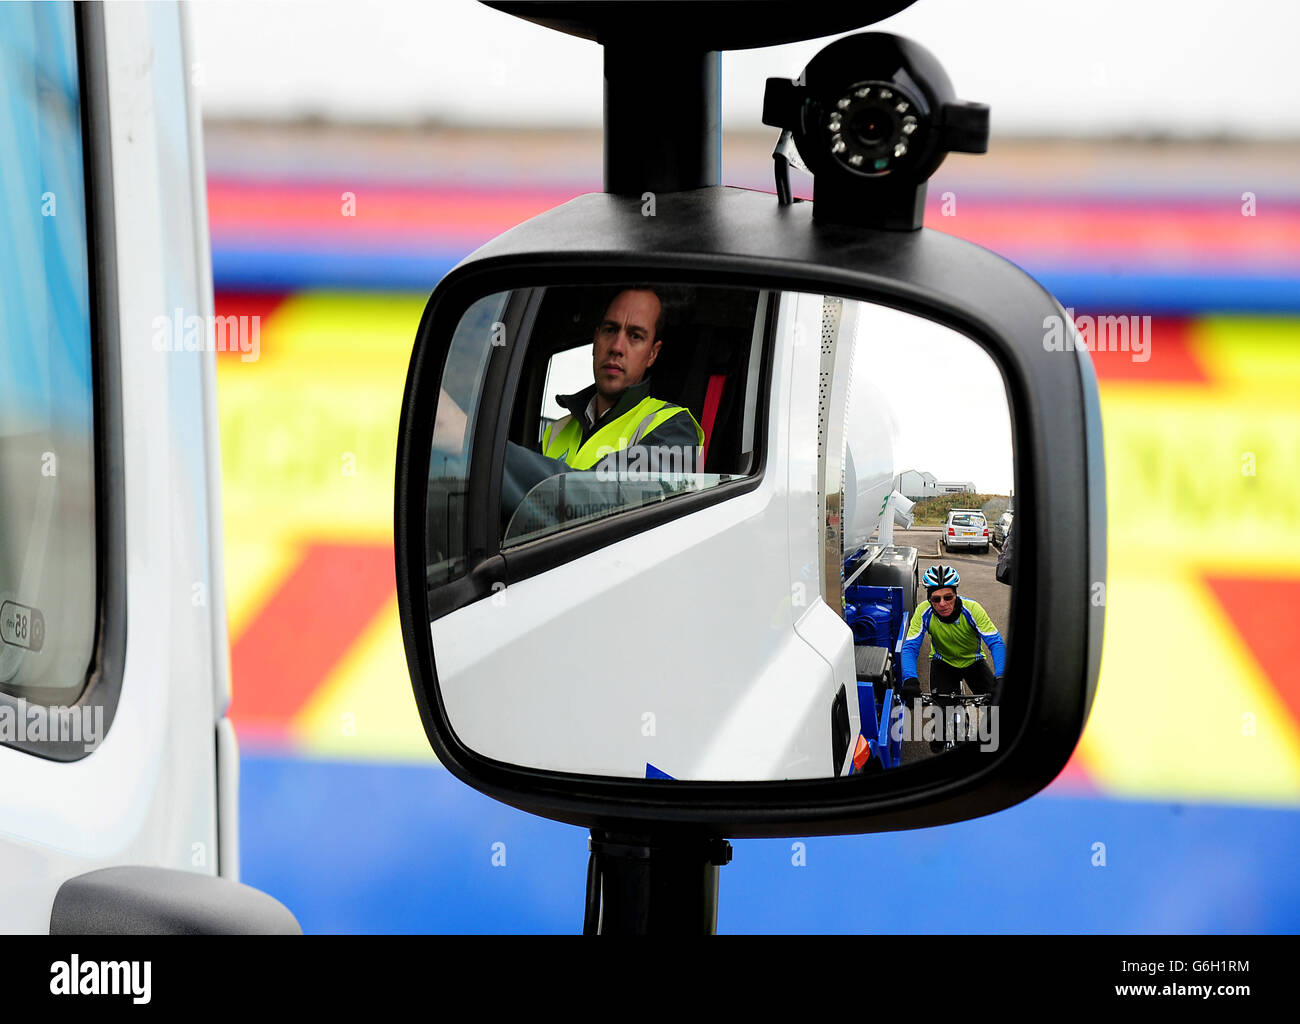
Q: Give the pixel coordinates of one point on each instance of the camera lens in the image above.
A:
(871, 127)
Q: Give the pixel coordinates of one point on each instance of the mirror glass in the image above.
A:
(747, 534)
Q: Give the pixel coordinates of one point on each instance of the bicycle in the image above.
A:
(956, 728)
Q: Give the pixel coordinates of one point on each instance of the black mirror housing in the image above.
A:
(734, 237)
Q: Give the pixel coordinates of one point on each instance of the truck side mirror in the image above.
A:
(652, 458)
(626, 645)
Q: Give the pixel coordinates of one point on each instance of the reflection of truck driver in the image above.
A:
(614, 425)
(616, 413)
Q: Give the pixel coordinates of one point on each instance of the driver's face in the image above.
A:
(625, 345)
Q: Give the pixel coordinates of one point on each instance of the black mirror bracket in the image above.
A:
(662, 131)
(638, 884)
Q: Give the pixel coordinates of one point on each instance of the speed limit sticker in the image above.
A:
(22, 626)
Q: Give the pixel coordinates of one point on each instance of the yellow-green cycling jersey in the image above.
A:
(563, 439)
(956, 642)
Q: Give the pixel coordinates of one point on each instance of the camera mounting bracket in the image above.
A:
(872, 115)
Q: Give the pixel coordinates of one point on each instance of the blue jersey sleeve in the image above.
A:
(998, 650)
(989, 634)
(912, 645)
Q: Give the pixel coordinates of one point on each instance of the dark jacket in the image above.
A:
(1007, 558)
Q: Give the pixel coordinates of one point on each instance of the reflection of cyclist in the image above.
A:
(955, 627)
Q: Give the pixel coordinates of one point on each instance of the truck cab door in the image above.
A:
(118, 809)
(541, 620)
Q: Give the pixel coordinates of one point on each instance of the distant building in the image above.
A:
(917, 484)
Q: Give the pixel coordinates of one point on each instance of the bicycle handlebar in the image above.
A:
(952, 699)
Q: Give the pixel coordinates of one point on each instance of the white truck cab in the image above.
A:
(119, 803)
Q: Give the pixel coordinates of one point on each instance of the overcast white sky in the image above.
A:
(1199, 67)
(944, 395)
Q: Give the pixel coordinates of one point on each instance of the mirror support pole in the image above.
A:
(653, 885)
(662, 118)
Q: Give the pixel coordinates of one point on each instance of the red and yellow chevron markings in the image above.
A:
(309, 435)
(332, 591)
(1199, 696)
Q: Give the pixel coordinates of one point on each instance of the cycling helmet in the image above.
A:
(939, 576)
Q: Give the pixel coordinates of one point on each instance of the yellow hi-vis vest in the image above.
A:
(563, 439)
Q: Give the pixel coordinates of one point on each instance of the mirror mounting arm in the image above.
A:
(662, 131)
(641, 884)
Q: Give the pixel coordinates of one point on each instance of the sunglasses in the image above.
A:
(936, 599)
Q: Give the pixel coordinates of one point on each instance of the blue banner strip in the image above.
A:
(400, 848)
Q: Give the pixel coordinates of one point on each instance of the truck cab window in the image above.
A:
(627, 395)
(635, 394)
(47, 427)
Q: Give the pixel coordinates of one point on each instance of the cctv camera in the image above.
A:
(872, 116)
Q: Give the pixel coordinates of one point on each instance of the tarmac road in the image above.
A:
(977, 582)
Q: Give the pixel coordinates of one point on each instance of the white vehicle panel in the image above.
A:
(765, 713)
(147, 793)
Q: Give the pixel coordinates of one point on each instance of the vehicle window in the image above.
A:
(47, 465)
(566, 373)
(449, 463)
(641, 400)
(627, 395)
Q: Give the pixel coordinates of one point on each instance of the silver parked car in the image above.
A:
(966, 528)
